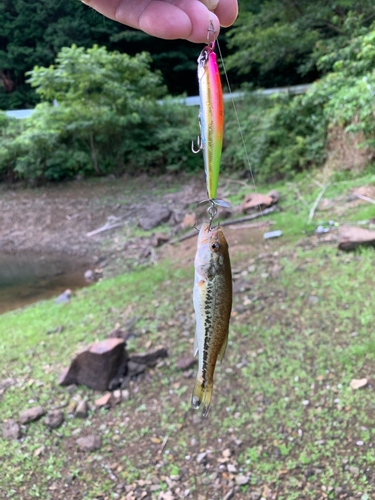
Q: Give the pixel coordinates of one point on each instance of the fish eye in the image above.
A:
(215, 246)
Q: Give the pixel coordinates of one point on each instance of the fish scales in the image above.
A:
(213, 305)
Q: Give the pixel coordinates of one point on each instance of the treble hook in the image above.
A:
(199, 139)
(199, 142)
(211, 29)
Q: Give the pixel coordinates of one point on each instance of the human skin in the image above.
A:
(170, 19)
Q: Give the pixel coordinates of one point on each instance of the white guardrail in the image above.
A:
(195, 101)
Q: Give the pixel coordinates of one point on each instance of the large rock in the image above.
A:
(256, 201)
(96, 365)
(89, 443)
(5, 384)
(54, 419)
(32, 414)
(352, 237)
(149, 358)
(156, 214)
(11, 430)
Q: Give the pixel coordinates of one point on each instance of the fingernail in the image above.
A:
(210, 4)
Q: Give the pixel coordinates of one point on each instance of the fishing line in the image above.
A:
(244, 144)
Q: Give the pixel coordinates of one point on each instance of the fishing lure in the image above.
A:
(213, 306)
(211, 118)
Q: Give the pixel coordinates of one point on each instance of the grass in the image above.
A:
(282, 399)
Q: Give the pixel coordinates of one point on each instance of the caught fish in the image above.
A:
(211, 118)
(213, 305)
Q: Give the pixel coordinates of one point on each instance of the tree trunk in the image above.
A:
(93, 153)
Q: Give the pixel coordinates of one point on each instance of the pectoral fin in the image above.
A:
(223, 349)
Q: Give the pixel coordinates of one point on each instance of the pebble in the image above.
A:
(31, 414)
(11, 430)
(89, 443)
(242, 480)
(229, 495)
(54, 419)
(81, 410)
(201, 457)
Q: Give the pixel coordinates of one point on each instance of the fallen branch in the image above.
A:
(229, 222)
(316, 203)
(365, 198)
(106, 227)
(255, 225)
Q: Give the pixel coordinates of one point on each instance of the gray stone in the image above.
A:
(11, 430)
(155, 215)
(151, 357)
(135, 368)
(54, 419)
(6, 383)
(255, 495)
(96, 365)
(185, 363)
(352, 237)
(32, 414)
(81, 410)
(64, 298)
(201, 457)
(229, 495)
(242, 480)
(89, 275)
(89, 443)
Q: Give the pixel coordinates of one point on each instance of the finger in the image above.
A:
(165, 20)
(210, 4)
(227, 12)
(200, 18)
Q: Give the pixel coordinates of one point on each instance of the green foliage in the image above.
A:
(108, 119)
(284, 40)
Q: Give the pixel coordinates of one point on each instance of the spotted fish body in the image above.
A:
(213, 305)
(211, 117)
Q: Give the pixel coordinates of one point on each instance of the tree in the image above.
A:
(280, 41)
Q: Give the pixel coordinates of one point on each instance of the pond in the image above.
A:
(29, 277)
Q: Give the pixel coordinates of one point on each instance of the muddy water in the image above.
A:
(28, 277)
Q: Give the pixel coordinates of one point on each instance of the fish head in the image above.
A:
(212, 251)
(203, 59)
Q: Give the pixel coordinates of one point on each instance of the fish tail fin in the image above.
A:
(202, 395)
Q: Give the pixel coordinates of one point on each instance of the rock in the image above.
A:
(11, 430)
(96, 365)
(226, 453)
(119, 333)
(125, 394)
(6, 383)
(358, 383)
(256, 201)
(81, 410)
(241, 285)
(135, 368)
(255, 495)
(89, 275)
(64, 298)
(104, 400)
(159, 239)
(201, 457)
(229, 495)
(39, 451)
(150, 358)
(352, 237)
(185, 363)
(89, 443)
(155, 215)
(54, 419)
(354, 470)
(58, 329)
(275, 195)
(242, 480)
(232, 469)
(31, 414)
(189, 221)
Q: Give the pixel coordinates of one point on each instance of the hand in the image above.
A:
(170, 19)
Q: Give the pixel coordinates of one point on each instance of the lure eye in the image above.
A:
(215, 247)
